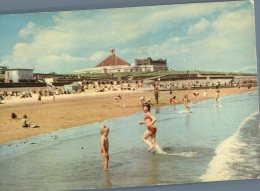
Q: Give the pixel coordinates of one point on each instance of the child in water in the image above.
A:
(173, 101)
(196, 95)
(186, 102)
(205, 94)
(149, 120)
(104, 145)
(217, 99)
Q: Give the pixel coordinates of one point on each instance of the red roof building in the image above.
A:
(113, 60)
(114, 64)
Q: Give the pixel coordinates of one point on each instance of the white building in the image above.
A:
(113, 64)
(18, 75)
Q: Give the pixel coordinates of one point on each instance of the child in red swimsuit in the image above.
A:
(173, 100)
(149, 120)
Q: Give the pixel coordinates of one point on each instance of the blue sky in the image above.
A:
(205, 36)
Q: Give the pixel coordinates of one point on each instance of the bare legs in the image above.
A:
(106, 164)
(150, 144)
(106, 159)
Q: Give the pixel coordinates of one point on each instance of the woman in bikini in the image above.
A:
(149, 120)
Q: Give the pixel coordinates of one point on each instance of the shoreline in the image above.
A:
(82, 109)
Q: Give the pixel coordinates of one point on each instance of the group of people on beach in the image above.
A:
(24, 121)
(149, 121)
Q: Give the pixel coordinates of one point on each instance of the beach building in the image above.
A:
(151, 65)
(2, 73)
(111, 64)
(19, 75)
(3, 69)
(49, 80)
(114, 64)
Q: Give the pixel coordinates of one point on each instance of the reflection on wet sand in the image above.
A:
(107, 183)
(187, 120)
(154, 171)
(157, 110)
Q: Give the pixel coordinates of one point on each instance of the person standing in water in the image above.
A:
(151, 130)
(104, 145)
(156, 93)
(186, 102)
(196, 99)
(217, 98)
(205, 93)
(173, 101)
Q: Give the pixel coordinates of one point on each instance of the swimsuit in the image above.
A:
(152, 130)
(172, 100)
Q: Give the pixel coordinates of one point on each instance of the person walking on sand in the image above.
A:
(151, 130)
(104, 145)
(40, 97)
(53, 97)
(117, 100)
(156, 93)
(171, 89)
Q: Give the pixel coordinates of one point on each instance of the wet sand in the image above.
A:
(79, 109)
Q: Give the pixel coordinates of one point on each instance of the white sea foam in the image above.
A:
(184, 111)
(189, 154)
(228, 154)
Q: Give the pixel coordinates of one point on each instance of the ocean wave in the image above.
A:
(237, 156)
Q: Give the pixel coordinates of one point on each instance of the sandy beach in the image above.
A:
(79, 109)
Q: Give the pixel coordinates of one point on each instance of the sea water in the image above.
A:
(206, 144)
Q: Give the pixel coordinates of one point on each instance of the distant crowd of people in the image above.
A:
(190, 84)
(112, 87)
(109, 86)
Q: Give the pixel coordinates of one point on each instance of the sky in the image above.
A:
(216, 36)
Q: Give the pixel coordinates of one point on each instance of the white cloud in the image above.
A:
(101, 27)
(96, 56)
(83, 37)
(230, 45)
(199, 27)
(29, 29)
(62, 58)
